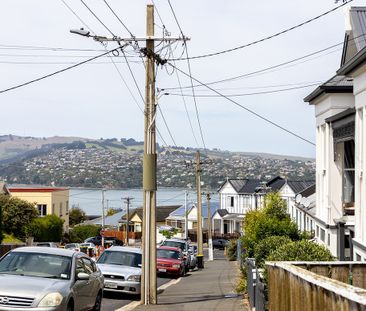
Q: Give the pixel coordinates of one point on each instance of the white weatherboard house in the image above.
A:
(340, 111)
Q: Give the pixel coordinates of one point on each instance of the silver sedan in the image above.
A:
(43, 278)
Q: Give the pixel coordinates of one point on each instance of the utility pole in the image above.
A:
(103, 217)
(185, 215)
(199, 212)
(148, 276)
(127, 201)
(209, 227)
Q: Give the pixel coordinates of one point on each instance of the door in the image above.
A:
(82, 288)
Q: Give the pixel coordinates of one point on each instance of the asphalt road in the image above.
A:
(112, 301)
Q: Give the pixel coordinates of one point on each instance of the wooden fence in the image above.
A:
(308, 286)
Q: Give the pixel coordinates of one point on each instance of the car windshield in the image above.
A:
(36, 264)
(178, 244)
(166, 253)
(120, 258)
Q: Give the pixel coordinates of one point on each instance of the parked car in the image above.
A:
(169, 260)
(97, 240)
(44, 278)
(72, 246)
(220, 243)
(121, 267)
(184, 246)
(193, 254)
(47, 244)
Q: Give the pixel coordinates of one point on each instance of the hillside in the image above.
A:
(80, 162)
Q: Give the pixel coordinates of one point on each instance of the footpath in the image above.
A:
(211, 288)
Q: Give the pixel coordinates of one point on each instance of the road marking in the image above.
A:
(132, 305)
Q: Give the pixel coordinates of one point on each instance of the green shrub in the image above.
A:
(231, 250)
(46, 229)
(83, 232)
(303, 250)
(267, 246)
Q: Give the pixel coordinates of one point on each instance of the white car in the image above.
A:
(121, 267)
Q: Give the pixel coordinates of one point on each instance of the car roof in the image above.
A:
(125, 249)
(45, 250)
(176, 240)
(170, 248)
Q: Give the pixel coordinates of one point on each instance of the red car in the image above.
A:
(170, 260)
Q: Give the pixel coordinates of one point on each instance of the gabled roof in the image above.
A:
(222, 212)
(297, 186)
(243, 185)
(162, 212)
(112, 220)
(308, 191)
(40, 189)
(180, 212)
(354, 49)
(276, 183)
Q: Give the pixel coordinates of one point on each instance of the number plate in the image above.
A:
(110, 285)
(162, 270)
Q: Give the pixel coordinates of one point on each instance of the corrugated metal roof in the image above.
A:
(308, 191)
(237, 183)
(179, 212)
(244, 186)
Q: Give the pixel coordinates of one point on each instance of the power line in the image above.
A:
(257, 71)
(99, 20)
(243, 107)
(57, 72)
(246, 94)
(44, 48)
(166, 124)
(190, 75)
(114, 13)
(268, 37)
(77, 16)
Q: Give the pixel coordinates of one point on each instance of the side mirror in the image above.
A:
(82, 276)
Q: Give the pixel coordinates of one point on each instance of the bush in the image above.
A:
(83, 232)
(232, 250)
(46, 229)
(267, 246)
(303, 250)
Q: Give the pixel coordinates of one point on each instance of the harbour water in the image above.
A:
(90, 200)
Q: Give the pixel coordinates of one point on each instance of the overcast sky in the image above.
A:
(92, 100)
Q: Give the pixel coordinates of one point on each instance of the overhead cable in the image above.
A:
(58, 71)
(245, 108)
(268, 37)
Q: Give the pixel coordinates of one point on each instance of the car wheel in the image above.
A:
(70, 306)
(98, 302)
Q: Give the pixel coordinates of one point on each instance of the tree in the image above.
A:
(16, 215)
(265, 247)
(303, 250)
(76, 216)
(269, 221)
(112, 211)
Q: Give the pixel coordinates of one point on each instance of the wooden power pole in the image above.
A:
(148, 277)
(199, 212)
(127, 201)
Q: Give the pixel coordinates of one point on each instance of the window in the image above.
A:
(358, 257)
(328, 239)
(60, 209)
(89, 265)
(42, 209)
(349, 173)
(322, 235)
(231, 200)
(317, 231)
(67, 207)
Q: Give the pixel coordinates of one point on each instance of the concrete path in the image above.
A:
(212, 288)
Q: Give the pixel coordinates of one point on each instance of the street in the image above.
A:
(112, 301)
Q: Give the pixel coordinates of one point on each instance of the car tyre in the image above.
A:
(70, 306)
(98, 302)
